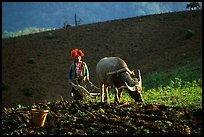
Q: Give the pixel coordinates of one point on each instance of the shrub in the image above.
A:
(50, 35)
(189, 33)
(31, 61)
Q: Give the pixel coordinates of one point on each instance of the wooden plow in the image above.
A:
(83, 90)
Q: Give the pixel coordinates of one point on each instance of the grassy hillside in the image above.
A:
(34, 67)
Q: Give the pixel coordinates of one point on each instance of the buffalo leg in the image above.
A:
(106, 94)
(116, 96)
(102, 92)
(119, 93)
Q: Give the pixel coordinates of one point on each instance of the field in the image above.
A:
(175, 109)
(167, 48)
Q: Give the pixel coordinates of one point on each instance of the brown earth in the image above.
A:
(153, 43)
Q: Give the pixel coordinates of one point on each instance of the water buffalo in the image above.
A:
(114, 72)
(193, 5)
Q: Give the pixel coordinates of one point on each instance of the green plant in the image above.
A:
(50, 35)
(178, 93)
(189, 33)
(31, 61)
(188, 73)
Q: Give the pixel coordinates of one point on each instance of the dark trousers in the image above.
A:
(76, 93)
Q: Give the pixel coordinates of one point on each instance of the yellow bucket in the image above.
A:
(39, 117)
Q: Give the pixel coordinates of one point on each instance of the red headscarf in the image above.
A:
(76, 52)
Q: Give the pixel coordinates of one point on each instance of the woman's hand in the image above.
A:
(87, 78)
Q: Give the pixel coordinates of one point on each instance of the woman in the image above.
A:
(78, 72)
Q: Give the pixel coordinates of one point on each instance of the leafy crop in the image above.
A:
(187, 73)
(179, 88)
(177, 94)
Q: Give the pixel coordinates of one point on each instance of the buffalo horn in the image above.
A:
(140, 80)
(133, 88)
